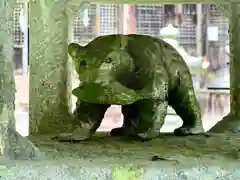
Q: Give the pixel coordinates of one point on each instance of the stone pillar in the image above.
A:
(49, 77)
(231, 122)
(12, 144)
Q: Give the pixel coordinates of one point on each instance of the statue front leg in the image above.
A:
(89, 117)
(147, 116)
(142, 120)
(130, 121)
(152, 115)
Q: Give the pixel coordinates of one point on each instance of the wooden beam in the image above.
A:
(163, 1)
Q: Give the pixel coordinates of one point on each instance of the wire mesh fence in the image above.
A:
(150, 19)
(108, 15)
(17, 34)
(99, 19)
(17, 37)
(103, 19)
(84, 26)
(187, 36)
(94, 21)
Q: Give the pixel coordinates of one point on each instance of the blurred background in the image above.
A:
(199, 32)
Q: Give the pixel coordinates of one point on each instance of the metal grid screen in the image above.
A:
(16, 31)
(187, 37)
(149, 19)
(108, 19)
(82, 34)
(102, 20)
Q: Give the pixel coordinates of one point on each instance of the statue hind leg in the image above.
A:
(130, 121)
(142, 120)
(184, 102)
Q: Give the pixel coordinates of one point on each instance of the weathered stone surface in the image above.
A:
(192, 158)
(12, 144)
(73, 169)
(7, 84)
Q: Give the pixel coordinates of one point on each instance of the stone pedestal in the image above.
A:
(183, 158)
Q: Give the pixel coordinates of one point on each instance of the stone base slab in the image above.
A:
(105, 158)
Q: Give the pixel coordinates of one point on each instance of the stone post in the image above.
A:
(49, 77)
(12, 144)
(231, 122)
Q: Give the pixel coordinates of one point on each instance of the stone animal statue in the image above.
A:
(144, 74)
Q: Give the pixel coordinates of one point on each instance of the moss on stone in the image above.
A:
(127, 173)
(49, 75)
(167, 146)
(12, 144)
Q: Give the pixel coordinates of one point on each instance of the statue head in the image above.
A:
(101, 59)
(99, 64)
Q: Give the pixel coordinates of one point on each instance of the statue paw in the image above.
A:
(187, 131)
(63, 136)
(73, 137)
(147, 136)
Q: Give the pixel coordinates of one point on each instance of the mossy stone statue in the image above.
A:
(144, 74)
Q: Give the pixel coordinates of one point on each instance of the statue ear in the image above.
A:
(75, 49)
